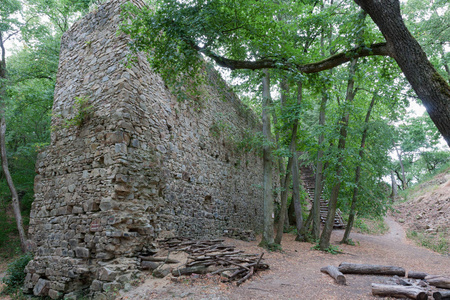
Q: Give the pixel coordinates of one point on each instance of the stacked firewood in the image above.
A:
(210, 256)
(418, 285)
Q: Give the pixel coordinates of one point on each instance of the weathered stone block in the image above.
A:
(107, 274)
(82, 252)
(41, 288)
(54, 294)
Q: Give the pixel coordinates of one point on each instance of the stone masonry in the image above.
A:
(141, 165)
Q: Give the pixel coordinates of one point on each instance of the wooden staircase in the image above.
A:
(308, 178)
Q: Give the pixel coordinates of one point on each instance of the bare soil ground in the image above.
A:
(295, 273)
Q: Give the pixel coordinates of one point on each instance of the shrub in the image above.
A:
(15, 275)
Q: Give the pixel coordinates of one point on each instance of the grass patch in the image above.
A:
(431, 240)
(375, 226)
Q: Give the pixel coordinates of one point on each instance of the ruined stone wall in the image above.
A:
(139, 166)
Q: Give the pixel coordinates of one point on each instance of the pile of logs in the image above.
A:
(419, 285)
(207, 256)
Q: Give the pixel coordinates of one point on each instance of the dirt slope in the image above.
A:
(426, 214)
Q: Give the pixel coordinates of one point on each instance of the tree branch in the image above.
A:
(326, 64)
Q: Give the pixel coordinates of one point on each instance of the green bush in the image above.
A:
(15, 275)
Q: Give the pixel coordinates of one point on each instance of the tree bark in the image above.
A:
(267, 237)
(284, 180)
(398, 291)
(335, 273)
(318, 186)
(429, 85)
(352, 213)
(324, 242)
(439, 281)
(364, 269)
(417, 275)
(403, 178)
(394, 186)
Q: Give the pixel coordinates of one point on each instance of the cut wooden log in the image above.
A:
(348, 268)
(249, 274)
(334, 273)
(189, 270)
(161, 259)
(441, 295)
(398, 291)
(149, 265)
(417, 275)
(439, 281)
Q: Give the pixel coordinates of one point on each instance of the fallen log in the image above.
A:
(149, 265)
(189, 270)
(159, 259)
(334, 273)
(438, 281)
(441, 295)
(398, 291)
(417, 275)
(249, 274)
(348, 268)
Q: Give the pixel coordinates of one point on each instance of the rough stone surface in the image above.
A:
(141, 165)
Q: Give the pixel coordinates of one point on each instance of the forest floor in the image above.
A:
(295, 272)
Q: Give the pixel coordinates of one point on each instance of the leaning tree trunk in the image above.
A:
(324, 242)
(267, 237)
(402, 167)
(352, 214)
(12, 188)
(429, 85)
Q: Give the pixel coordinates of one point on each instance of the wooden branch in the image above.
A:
(334, 273)
(398, 291)
(243, 279)
(348, 268)
(438, 281)
(417, 275)
(326, 64)
(189, 270)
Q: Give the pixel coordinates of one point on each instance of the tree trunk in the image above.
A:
(284, 180)
(324, 242)
(295, 172)
(398, 291)
(335, 273)
(352, 214)
(12, 188)
(364, 269)
(429, 85)
(267, 237)
(403, 178)
(318, 186)
(394, 186)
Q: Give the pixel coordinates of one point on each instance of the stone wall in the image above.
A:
(141, 165)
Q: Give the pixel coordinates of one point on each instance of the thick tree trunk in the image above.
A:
(352, 214)
(431, 88)
(398, 291)
(324, 242)
(267, 237)
(364, 269)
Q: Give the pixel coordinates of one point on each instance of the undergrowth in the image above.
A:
(15, 275)
(434, 241)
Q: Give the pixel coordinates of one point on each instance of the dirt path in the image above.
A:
(295, 273)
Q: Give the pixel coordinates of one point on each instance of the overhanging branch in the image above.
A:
(326, 64)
